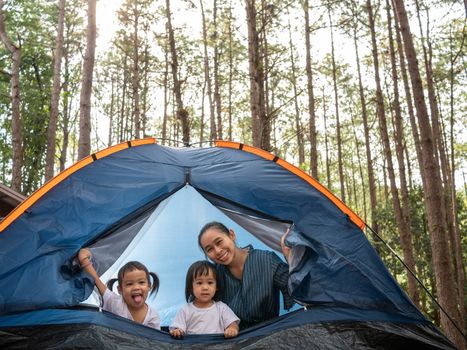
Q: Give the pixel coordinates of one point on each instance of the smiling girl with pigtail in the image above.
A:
(134, 285)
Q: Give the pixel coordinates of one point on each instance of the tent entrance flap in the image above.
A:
(267, 231)
(166, 241)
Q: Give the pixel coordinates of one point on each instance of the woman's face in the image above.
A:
(219, 246)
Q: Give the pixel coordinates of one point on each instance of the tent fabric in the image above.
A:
(317, 329)
(125, 191)
(168, 247)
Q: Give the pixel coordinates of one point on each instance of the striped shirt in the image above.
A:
(255, 298)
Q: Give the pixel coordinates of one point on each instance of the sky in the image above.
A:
(106, 19)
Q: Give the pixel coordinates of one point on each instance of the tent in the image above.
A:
(140, 200)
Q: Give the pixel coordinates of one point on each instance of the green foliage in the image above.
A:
(462, 210)
(421, 246)
(26, 24)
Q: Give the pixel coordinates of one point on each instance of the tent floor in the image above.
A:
(319, 336)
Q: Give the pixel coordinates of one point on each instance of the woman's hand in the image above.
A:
(285, 249)
(231, 331)
(176, 333)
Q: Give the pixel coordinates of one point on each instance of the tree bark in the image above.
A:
(326, 144)
(217, 94)
(66, 110)
(111, 112)
(311, 97)
(55, 97)
(260, 122)
(207, 78)
(84, 144)
(135, 80)
(408, 97)
(336, 101)
(123, 106)
(460, 269)
(402, 224)
(360, 168)
(166, 97)
(447, 181)
(298, 128)
(230, 71)
(406, 237)
(16, 126)
(433, 191)
(144, 111)
(269, 93)
(182, 113)
(366, 129)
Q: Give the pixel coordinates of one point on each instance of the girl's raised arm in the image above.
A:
(84, 257)
(284, 247)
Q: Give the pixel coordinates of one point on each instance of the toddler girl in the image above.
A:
(134, 285)
(204, 313)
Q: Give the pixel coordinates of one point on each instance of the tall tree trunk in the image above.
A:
(144, 116)
(207, 78)
(135, 75)
(402, 224)
(311, 97)
(300, 147)
(55, 97)
(366, 129)
(413, 126)
(408, 97)
(111, 112)
(16, 127)
(409, 167)
(460, 269)
(182, 113)
(336, 101)
(84, 144)
(66, 109)
(360, 168)
(260, 121)
(326, 144)
(445, 171)
(406, 238)
(385, 177)
(217, 94)
(202, 116)
(123, 106)
(433, 190)
(166, 97)
(230, 70)
(263, 49)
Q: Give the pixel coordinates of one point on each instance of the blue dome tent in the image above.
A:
(142, 201)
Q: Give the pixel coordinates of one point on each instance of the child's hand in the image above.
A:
(83, 255)
(176, 333)
(231, 331)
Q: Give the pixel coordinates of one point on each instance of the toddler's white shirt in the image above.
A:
(194, 320)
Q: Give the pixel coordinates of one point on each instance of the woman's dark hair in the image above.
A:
(131, 266)
(201, 268)
(215, 225)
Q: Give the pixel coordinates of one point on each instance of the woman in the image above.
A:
(253, 278)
